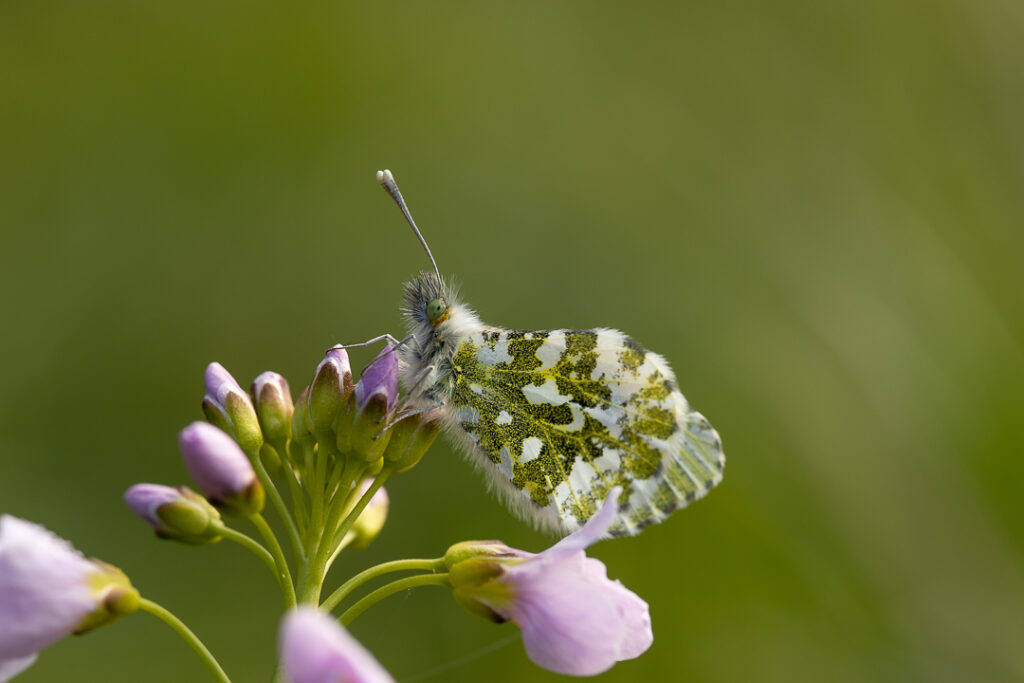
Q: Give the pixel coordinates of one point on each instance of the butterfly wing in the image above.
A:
(558, 418)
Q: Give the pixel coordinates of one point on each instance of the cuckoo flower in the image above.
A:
(314, 648)
(176, 513)
(573, 618)
(375, 395)
(228, 407)
(332, 384)
(220, 468)
(273, 399)
(48, 590)
(379, 379)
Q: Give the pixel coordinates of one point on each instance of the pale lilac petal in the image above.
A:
(569, 624)
(338, 357)
(379, 377)
(44, 591)
(9, 668)
(219, 382)
(215, 461)
(591, 532)
(632, 609)
(314, 648)
(574, 619)
(146, 499)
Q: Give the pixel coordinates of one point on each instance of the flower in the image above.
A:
(220, 468)
(361, 429)
(411, 437)
(314, 648)
(274, 407)
(379, 379)
(176, 513)
(331, 386)
(48, 590)
(574, 619)
(228, 407)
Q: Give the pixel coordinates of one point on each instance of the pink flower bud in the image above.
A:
(176, 513)
(220, 468)
(226, 402)
(380, 378)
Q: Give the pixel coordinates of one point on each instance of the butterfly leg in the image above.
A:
(395, 343)
(402, 414)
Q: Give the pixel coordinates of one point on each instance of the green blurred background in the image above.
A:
(814, 210)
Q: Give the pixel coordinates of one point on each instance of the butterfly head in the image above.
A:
(428, 300)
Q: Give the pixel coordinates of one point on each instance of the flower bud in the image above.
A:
(220, 468)
(331, 387)
(371, 520)
(302, 426)
(379, 380)
(179, 514)
(225, 397)
(411, 437)
(375, 395)
(273, 400)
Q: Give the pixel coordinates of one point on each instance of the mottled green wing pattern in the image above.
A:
(560, 417)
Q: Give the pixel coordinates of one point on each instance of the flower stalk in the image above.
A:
(179, 627)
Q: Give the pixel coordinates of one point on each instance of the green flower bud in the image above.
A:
(368, 438)
(179, 513)
(330, 389)
(302, 426)
(410, 438)
(273, 401)
(225, 399)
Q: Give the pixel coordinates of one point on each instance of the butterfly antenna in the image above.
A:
(387, 181)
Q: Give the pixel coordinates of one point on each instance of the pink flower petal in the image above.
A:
(591, 532)
(314, 648)
(9, 668)
(44, 591)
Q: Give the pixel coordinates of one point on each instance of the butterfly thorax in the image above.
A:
(426, 358)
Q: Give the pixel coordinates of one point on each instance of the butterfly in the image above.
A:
(554, 418)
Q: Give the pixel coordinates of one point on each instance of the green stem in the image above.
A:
(316, 569)
(316, 488)
(278, 503)
(346, 487)
(294, 489)
(186, 633)
(390, 589)
(246, 542)
(345, 542)
(379, 570)
(284, 575)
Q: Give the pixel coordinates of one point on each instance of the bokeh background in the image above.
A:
(814, 210)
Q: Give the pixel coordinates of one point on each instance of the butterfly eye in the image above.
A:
(435, 309)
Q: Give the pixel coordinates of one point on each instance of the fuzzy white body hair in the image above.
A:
(425, 374)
